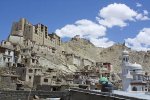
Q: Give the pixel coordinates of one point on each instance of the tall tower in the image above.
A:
(125, 58)
(126, 76)
(18, 27)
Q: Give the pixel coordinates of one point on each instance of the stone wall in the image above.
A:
(24, 95)
(16, 39)
(73, 94)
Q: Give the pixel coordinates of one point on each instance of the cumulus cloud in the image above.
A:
(117, 15)
(138, 4)
(141, 41)
(86, 29)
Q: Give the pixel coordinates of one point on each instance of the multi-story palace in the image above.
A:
(37, 33)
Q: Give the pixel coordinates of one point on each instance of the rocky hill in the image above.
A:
(112, 54)
(82, 47)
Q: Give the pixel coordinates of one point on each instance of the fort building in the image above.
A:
(37, 33)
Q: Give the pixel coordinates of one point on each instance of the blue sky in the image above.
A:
(77, 14)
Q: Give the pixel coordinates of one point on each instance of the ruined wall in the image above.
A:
(77, 61)
(87, 62)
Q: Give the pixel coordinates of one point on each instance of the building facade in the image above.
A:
(104, 68)
(7, 57)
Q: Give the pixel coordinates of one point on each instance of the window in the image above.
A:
(14, 46)
(30, 77)
(26, 60)
(36, 31)
(23, 71)
(124, 59)
(53, 51)
(9, 52)
(139, 77)
(8, 64)
(45, 80)
(24, 51)
(8, 59)
(142, 88)
(71, 82)
(4, 58)
(33, 60)
(134, 89)
(84, 82)
(53, 82)
(134, 77)
(145, 89)
(30, 70)
(37, 62)
(54, 76)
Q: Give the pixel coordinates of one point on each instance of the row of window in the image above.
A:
(31, 70)
(33, 61)
(135, 89)
(45, 79)
(8, 59)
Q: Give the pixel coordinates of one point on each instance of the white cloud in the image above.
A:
(141, 41)
(102, 42)
(117, 15)
(109, 16)
(138, 4)
(145, 12)
(86, 29)
(142, 17)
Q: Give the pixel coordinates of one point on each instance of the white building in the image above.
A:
(132, 75)
(7, 57)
